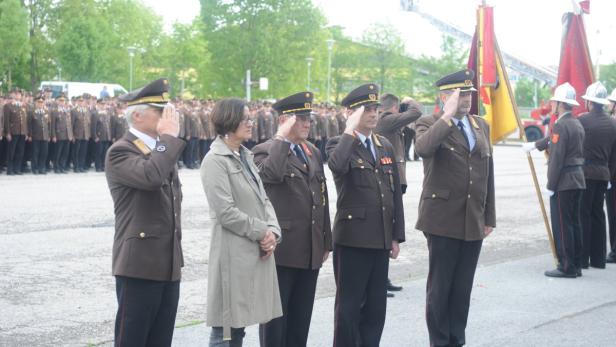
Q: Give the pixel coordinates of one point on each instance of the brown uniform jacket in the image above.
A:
(322, 127)
(193, 124)
(298, 193)
(61, 124)
(266, 125)
(39, 123)
(15, 119)
(120, 127)
(81, 119)
(208, 128)
(147, 198)
(332, 126)
(369, 206)
(391, 125)
(102, 128)
(457, 199)
(566, 148)
(599, 145)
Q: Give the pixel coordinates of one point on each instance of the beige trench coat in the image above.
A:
(242, 288)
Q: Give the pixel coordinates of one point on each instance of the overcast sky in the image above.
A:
(530, 29)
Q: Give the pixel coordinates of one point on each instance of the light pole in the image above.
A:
(330, 46)
(131, 55)
(309, 61)
(59, 73)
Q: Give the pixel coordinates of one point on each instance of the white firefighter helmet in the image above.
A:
(596, 92)
(565, 93)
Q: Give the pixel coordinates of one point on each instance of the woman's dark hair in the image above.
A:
(227, 115)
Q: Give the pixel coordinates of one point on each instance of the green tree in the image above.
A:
(41, 60)
(272, 38)
(14, 43)
(426, 69)
(387, 52)
(525, 92)
(607, 75)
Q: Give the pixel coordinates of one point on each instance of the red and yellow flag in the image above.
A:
(491, 79)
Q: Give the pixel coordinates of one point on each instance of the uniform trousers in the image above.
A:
(204, 147)
(101, 151)
(40, 149)
(79, 155)
(567, 229)
(297, 289)
(452, 264)
(61, 156)
(361, 295)
(146, 312)
(593, 224)
(610, 203)
(15, 154)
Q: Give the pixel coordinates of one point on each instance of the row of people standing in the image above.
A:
(271, 226)
(581, 174)
(51, 133)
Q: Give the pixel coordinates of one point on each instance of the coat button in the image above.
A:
(469, 196)
(349, 217)
(433, 196)
(361, 167)
(141, 235)
(383, 208)
(376, 170)
(470, 168)
(292, 175)
(314, 207)
(471, 182)
(382, 195)
(451, 149)
(313, 222)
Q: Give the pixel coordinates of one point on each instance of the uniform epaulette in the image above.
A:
(473, 120)
(377, 140)
(142, 146)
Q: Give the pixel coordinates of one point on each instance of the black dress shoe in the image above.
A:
(611, 258)
(392, 288)
(560, 274)
(390, 295)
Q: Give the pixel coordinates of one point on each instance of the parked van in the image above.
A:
(71, 89)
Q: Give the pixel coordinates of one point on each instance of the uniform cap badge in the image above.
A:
(161, 148)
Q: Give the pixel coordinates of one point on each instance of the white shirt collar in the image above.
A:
(147, 139)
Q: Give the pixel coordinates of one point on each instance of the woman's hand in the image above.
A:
(268, 244)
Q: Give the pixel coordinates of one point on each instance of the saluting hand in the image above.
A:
(353, 121)
(169, 124)
(285, 126)
(451, 105)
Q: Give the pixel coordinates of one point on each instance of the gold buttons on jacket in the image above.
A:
(433, 196)
(349, 217)
(141, 235)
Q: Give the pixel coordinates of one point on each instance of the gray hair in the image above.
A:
(130, 110)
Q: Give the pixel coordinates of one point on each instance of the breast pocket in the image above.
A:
(360, 174)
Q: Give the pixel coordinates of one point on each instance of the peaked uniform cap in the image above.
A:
(462, 79)
(367, 94)
(155, 94)
(300, 104)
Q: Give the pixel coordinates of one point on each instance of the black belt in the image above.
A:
(595, 162)
(571, 168)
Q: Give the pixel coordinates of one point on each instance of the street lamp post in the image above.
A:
(309, 61)
(330, 46)
(131, 55)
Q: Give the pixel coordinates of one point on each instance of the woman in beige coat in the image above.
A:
(242, 282)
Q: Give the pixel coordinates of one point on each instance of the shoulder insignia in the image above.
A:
(142, 146)
(474, 121)
(376, 140)
(555, 138)
(306, 149)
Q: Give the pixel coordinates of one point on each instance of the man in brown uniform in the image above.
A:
(369, 223)
(102, 134)
(61, 134)
(15, 132)
(390, 124)
(610, 196)
(80, 116)
(39, 122)
(120, 126)
(599, 151)
(456, 208)
(292, 172)
(147, 253)
(565, 181)
(266, 124)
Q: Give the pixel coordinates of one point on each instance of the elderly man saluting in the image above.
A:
(144, 184)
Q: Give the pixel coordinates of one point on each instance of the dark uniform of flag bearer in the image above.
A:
(292, 171)
(610, 196)
(565, 181)
(147, 254)
(599, 151)
(456, 207)
(369, 223)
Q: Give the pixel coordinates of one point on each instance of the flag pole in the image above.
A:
(529, 157)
